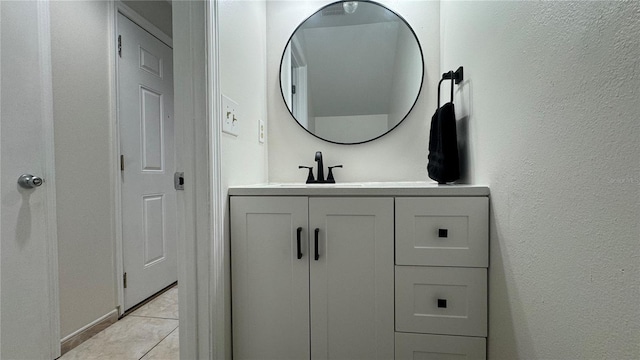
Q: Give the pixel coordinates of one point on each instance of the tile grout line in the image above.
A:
(156, 345)
(154, 317)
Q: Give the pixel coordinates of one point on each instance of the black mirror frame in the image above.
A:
(403, 118)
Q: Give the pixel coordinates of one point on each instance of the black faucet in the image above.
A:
(321, 179)
(320, 167)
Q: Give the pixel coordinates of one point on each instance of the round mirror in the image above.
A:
(351, 72)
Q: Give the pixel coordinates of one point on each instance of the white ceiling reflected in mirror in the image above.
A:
(351, 72)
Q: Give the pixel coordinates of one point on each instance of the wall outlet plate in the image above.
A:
(230, 116)
(261, 131)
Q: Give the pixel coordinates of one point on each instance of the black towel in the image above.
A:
(444, 163)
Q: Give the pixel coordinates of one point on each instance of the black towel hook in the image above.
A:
(451, 73)
(456, 77)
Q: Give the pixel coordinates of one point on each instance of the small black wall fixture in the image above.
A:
(455, 76)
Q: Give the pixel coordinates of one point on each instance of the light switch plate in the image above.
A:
(230, 116)
(261, 131)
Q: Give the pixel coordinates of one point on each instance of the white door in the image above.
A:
(29, 326)
(270, 271)
(351, 278)
(145, 103)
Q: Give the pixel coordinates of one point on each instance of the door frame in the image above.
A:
(219, 326)
(203, 331)
(46, 74)
(120, 8)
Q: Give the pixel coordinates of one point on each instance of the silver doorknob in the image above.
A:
(29, 181)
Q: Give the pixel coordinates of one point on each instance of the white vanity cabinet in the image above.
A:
(312, 277)
(400, 272)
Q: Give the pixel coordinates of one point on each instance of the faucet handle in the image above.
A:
(310, 178)
(330, 178)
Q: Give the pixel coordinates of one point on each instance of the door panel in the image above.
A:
(270, 285)
(145, 103)
(28, 259)
(150, 62)
(154, 241)
(152, 124)
(352, 280)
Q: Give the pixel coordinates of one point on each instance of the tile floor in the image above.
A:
(151, 332)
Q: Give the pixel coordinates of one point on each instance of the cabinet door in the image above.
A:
(270, 285)
(352, 278)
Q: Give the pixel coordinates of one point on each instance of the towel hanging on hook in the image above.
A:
(444, 162)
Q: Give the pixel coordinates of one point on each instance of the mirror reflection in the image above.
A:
(351, 72)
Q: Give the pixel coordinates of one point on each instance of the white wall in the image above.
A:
(400, 155)
(242, 62)
(551, 106)
(243, 78)
(353, 128)
(85, 198)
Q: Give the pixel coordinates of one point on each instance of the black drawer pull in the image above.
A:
(298, 241)
(317, 256)
(442, 303)
(443, 233)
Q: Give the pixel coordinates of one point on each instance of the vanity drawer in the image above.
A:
(441, 300)
(442, 231)
(439, 347)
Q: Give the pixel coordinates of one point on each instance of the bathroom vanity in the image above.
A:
(359, 271)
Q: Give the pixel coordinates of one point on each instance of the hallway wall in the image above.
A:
(86, 237)
(82, 129)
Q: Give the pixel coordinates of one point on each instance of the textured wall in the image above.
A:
(400, 155)
(551, 106)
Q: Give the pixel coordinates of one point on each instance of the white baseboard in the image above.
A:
(84, 333)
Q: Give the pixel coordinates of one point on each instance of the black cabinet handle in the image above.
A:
(443, 233)
(298, 241)
(442, 303)
(317, 256)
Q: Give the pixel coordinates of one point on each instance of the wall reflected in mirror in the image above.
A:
(351, 72)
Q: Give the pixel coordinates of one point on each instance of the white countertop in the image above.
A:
(418, 188)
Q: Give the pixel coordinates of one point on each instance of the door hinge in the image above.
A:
(121, 162)
(120, 45)
(124, 280)
(293, 89)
